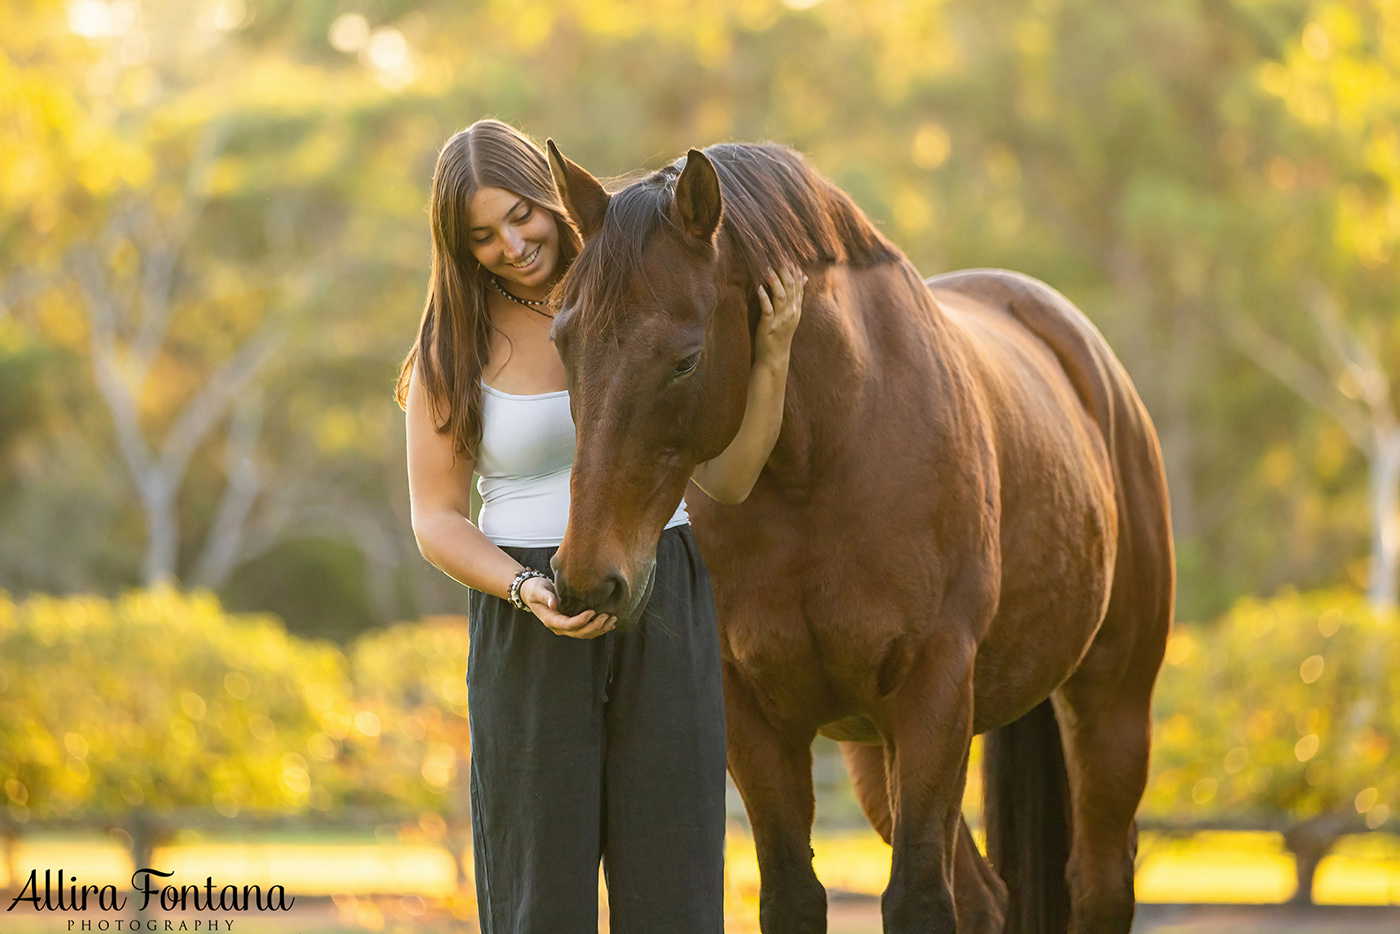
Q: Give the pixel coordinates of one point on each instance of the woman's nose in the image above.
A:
(514, 243)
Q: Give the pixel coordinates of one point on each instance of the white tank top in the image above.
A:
(524, 461)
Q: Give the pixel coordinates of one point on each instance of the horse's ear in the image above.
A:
(583, 195)
(698, 205)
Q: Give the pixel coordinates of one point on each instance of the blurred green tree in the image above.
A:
(412, 677)
(1329, 185)
(195, 283)
(159, 710)
(1286, 711)
(140, 710)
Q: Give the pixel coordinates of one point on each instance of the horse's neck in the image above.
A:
(856, 324)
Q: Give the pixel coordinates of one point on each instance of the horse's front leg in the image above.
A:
(979, 893)
(772, 768)
(927, 722)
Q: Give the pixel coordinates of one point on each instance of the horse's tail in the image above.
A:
(1026, 806)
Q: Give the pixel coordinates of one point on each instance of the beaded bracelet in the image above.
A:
(521, 577)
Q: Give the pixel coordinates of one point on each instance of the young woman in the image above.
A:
(587, 744)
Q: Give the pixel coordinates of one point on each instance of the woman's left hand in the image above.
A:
(781, 312)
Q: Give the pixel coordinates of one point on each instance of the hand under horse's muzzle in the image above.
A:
(602, 589)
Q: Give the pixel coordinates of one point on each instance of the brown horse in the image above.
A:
(963, 529)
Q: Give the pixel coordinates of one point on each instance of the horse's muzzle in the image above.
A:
(607, 591)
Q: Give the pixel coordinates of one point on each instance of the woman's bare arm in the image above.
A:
(439, 492)
(730, 477)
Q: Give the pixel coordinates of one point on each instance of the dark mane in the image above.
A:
(777, 211)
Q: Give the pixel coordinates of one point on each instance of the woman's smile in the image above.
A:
(527, 261)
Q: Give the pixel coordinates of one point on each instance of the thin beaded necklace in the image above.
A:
(533, 304)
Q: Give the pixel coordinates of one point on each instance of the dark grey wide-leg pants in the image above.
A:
(610, 748)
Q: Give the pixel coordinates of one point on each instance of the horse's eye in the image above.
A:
(686, 365)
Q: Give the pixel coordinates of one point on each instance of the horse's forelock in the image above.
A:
(612, 263)
(778, 211)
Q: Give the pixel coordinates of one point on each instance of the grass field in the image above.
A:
(407, 885)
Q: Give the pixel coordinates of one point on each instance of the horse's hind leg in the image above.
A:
(1104, 711)
(773, 771)
(979, 895)
(1105, 715)
(866, 765)
(1105, 736)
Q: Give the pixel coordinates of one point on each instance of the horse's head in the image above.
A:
(654, 336)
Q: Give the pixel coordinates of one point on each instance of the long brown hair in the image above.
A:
(454, 337)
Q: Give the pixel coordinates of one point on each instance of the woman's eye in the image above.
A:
(686, 365)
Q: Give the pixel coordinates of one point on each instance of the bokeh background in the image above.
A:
(213, 257)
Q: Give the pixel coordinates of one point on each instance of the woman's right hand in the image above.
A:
(539, 595)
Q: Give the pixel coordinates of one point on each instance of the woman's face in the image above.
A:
(514, 238)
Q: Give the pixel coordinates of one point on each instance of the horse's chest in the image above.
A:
(766, 633)
(805, 617)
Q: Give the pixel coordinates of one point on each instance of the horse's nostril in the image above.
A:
(569, 605)
(614, 593)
